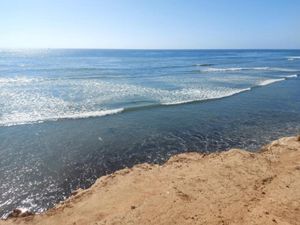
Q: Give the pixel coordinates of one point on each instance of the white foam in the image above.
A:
(270, 81)
(291, 58)
(22, 209)
(91, 114)
(17, 80)
(27, 100)
(22, 118)
(222, 69)
(291, 76)
(73, 99)
(193, 95)
(7, 202)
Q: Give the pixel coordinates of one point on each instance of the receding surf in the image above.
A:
(21, 119)
(163, 97)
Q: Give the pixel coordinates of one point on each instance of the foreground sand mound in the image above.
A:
(233, 187)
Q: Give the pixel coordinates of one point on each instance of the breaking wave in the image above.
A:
(292, 58)
(291, 76)
(210, 95)
(270, 81)
(26, 100)
(23, 118)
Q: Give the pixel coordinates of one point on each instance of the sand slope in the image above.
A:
(234, 187)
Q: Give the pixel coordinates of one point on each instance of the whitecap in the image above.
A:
(193, 95)
(269, 81)
(291, 58)
(223, 69)
(22, 118)
(36, 102)
(291, 76)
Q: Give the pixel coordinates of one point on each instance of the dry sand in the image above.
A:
(233, 187)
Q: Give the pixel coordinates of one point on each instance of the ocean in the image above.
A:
(69, 116)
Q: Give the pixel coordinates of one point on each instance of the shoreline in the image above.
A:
(231, 187)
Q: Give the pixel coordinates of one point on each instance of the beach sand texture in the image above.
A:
(232, 187)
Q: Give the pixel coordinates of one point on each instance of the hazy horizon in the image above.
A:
(145, 49)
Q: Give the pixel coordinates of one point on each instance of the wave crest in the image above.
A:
(208, 96)
(292, 58)
(48, 100)
(22, 118)
(291, 76)
(270, 81)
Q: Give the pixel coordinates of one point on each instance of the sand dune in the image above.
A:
(233, 187)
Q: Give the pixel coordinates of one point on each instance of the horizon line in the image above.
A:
(142, 49)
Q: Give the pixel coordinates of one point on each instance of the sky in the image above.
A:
(150, 24)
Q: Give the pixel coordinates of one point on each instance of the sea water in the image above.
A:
(70, 116)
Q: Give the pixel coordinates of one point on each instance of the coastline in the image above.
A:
(232, 187)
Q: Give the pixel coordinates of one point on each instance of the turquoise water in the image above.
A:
(70, 116)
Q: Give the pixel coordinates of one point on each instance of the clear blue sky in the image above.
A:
(150, 24)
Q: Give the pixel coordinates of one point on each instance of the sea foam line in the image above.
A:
(291, 58)
(90, 114)
(262, 83)
(205, 99)
(79, 115)
(270, 81)
(18, 80)
(28, 119)
(291, 76)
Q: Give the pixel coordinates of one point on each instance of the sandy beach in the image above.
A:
(232, 187)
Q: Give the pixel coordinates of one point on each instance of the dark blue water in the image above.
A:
(70, 116)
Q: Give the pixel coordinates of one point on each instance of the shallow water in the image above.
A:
(70, 116)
